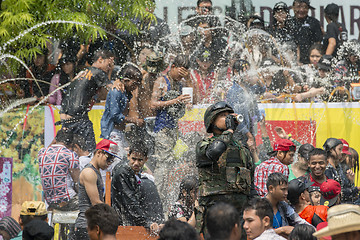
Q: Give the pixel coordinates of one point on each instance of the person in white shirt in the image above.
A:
(258, 220)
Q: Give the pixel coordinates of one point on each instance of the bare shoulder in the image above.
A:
(87, 174)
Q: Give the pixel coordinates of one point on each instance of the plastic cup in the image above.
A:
(188, 91)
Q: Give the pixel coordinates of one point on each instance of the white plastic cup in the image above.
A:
(188, 91)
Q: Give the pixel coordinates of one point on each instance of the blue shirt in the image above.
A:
(116, 102)
(277, 220)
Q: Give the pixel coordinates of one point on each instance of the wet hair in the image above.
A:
(221, 219)
(104, 54)
(201, 1)
(302, 232)
(317, 151)
(25, 219)
(181, 61)
(177, 230)
(104, 216)
(80, 141)
(138, 147)
(130, 70)
(276, 179)
(317, 46)
(304, 151)
(188, 183)
(331, 12)
(65, 136)
(262, 208)
(355, 158)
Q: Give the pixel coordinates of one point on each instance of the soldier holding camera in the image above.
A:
(225, 166)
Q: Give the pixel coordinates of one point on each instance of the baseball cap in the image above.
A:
(108, 146)
(305, 1)
(283, 145)
(345, 146)
(332, 9)
(33, 208)
(281, 6)
(295, 188)
(11, 226)
(313, 189)
(330, 190)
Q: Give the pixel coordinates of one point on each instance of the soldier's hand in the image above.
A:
(231, 122)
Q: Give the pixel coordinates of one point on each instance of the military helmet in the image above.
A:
(331, 143)
(214, 110)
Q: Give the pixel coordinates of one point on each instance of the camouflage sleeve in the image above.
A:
(203, 158)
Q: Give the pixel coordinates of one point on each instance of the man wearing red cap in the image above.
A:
(282, 156)
(91, 187)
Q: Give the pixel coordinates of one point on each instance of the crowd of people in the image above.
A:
(231, 188)
(290, 59)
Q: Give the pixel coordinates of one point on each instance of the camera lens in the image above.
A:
(239, 118)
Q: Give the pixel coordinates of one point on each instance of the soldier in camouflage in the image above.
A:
(225, 166)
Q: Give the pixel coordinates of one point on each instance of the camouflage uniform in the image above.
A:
(229, 179)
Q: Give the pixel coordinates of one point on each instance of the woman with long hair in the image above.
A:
(65, 72)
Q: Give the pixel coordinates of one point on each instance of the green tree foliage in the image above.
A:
(17, 16)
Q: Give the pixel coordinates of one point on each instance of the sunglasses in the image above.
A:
(110, 158)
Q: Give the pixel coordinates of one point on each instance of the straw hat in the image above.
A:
(341, 219)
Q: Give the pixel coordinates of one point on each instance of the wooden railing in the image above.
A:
(126, 232)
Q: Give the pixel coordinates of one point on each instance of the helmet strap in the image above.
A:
(220, 129)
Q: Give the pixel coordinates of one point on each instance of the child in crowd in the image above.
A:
(183, 208)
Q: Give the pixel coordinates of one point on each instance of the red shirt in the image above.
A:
(314, 214)
(263, 171)
(316, 184)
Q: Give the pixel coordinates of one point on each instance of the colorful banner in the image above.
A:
(307, 122)
(5, 186)
(22, 142)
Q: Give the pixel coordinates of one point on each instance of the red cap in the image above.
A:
(330, 190)
(321, 226)
(345, 146)
(283, 145)
(108, 146)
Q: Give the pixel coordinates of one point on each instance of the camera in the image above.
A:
(239, 118)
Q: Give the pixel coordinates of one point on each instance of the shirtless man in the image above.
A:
(80, 97)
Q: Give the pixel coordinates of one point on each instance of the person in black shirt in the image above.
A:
(280, 28)
(305, 29)
(336, 32)
(133, 194)
(79, 97)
